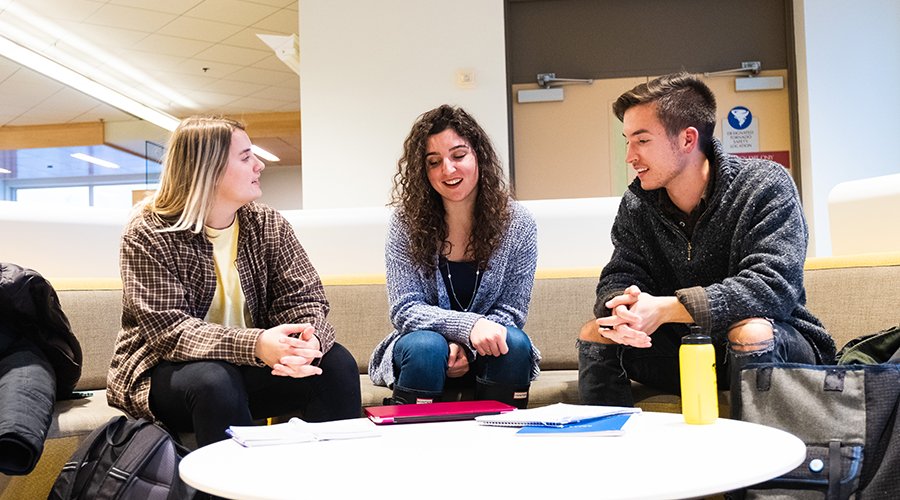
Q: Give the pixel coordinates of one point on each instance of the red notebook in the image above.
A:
(435, 412)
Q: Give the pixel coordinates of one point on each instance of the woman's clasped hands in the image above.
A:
(290, 350)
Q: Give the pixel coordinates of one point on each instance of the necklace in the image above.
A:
(453, 292)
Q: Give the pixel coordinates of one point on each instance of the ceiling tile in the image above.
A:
(231, 11)
(62, 107)
(279, 93)
(272, 63)
(264, 76)
(214, 69)
(168, 6)
(258, 104)
(110, 37)
(200, 29)
(236, 88)
(284, 21)
(150, 61)
(247, 38)
(173, 46)
(69, 10)
(130, 18)
(29, 87)
(103, 112)
(234, 55)
(279, 3)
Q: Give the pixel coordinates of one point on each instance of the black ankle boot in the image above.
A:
(509, 394)
(403, 396)
(601, 378)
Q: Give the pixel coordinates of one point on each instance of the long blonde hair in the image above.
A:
(195, 160)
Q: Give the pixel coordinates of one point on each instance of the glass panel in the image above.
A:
(74, 196)
(118, 195)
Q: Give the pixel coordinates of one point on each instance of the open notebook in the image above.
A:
(555, 415)
(435, 412)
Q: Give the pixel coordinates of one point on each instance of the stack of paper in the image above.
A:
(298, 431)
(563, 418)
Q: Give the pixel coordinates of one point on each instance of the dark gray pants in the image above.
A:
(605, 371)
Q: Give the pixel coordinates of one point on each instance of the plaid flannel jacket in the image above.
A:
(169, 279)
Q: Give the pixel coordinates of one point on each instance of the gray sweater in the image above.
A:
(418, 299)
(744, 259)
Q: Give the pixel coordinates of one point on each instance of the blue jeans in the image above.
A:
(605, 370)
(420, 362)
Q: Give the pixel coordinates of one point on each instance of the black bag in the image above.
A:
(846, 414)
(124, 459)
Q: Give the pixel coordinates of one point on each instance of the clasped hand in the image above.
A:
(290, 356)
(635, 315)
(488, 338)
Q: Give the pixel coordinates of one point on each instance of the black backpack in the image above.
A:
(124, 459)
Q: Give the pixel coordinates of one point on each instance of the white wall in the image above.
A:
(77, 243)
(281, 188)
(848, 72)
(370, 68)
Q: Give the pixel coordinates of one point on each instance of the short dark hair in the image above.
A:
(682, 101)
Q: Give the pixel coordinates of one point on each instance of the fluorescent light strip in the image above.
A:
(4, 171)
(42, 27)
(258, 151)
(42, 64)
(85, 85)
(94, 160)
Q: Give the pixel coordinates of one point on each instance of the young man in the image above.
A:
(701, 237)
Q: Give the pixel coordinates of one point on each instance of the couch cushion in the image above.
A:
(359, 314)
(78, 417)
(559, 307)
(853, 299)
(95, 317)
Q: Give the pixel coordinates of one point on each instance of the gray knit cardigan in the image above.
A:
(744, 259)
(418, 299)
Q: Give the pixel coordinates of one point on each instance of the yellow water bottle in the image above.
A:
(697, 360)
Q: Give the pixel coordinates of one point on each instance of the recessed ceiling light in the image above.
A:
(94, 160)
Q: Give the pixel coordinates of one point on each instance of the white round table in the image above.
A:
(659, 456)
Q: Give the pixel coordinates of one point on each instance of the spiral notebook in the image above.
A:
(435, 412)
(555, 415)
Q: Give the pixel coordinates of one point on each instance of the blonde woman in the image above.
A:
(224, 317)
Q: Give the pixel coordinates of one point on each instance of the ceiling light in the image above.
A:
(94, 160)
(265, 155)
(4, 171)
(77, 81)
(41, 35)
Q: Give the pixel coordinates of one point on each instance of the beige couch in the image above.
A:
(852, 296)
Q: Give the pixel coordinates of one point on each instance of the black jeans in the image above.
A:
(27, 394)
(208, 396)
(605, 370)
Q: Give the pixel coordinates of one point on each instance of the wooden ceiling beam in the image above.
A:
(51, 136)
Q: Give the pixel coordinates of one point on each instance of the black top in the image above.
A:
(461, 280)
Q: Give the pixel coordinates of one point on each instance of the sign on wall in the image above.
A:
(740, 131)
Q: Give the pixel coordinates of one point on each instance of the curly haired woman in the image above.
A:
(460, 258)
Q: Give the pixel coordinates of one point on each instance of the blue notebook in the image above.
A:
(603, 426)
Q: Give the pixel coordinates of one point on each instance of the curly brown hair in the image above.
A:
(420, 207)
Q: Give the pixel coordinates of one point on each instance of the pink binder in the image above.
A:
(435, 412)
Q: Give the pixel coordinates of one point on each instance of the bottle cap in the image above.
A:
(696, 337)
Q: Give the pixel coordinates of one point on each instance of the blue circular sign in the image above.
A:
(739, 118)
